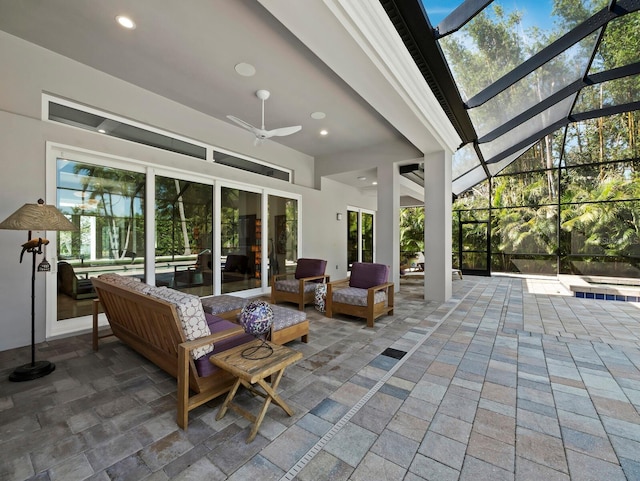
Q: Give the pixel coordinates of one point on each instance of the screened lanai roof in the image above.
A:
(510, 72)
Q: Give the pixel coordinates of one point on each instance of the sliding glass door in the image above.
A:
(205, 239)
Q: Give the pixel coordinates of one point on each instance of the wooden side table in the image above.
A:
(254, 371)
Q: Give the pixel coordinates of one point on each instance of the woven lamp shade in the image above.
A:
(37, 217)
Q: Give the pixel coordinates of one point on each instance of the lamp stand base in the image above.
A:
(32, 371)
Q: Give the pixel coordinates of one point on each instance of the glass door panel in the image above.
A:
(184, 241)
(283, 235)
(107, 206)
(241, 240)
(360, 237)
(367, 237)
(353, 228)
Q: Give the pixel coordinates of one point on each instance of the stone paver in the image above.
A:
(510, 379)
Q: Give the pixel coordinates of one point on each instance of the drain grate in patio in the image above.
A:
(394, 353)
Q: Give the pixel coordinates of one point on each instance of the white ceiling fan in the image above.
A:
(261, 133)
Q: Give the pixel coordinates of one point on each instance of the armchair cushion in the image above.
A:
(356, 296)
(368, 274)
(310, 268)
(293, 285)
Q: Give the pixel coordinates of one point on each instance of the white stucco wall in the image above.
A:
(28, 71)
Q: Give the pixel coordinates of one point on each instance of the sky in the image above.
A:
(535, 12)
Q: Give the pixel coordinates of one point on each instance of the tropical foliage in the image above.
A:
(411, 230)
(571, 202)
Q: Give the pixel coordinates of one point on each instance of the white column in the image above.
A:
(387, 221)
(437, 226)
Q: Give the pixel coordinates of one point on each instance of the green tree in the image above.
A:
(412, 230)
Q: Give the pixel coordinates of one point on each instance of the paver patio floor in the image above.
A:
(510, 379)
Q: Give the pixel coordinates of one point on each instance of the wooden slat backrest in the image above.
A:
(149, 325)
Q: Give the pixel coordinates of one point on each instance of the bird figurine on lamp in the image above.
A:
(34, 245)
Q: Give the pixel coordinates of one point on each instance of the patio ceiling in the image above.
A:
(186, 52)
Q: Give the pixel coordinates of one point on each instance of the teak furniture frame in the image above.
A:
(301, 298)
(152, 328)
(249, 372)
(370, 312)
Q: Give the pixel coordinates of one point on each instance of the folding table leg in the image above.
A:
(225, 404)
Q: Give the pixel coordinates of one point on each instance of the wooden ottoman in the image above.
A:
(225, 306)
(288, 324)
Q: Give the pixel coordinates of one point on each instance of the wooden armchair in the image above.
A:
(301, 289)
(365, 294)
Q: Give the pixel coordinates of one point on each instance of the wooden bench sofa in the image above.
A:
(152, 327)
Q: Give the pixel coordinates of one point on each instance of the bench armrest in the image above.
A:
(182, 375)
(211, 338)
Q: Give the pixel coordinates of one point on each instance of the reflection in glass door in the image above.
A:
(283, 236)
(366, 242)
(241, 240)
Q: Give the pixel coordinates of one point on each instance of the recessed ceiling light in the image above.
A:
(362, 177)
(324, 132)
(245, 69)
(375, 182)
(318, 115)
(126, 22)
(102, 131)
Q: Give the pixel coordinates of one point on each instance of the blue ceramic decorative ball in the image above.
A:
(256, 318)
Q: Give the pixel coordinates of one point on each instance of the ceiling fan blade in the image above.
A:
(261, 133)
(282, 131)
(243, 124)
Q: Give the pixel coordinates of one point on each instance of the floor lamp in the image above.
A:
(35, 217)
